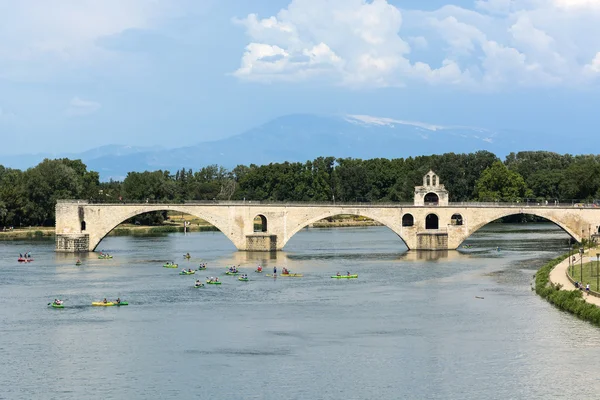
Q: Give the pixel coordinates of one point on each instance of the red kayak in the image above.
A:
(21, 259)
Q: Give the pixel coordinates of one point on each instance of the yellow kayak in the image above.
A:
(293, 275)
(102, 304)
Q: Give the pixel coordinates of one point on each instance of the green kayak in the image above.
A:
(231, 273)
(199, 286)
(57, 305)
(345, 276)
(187, 272)
(123, 303)
(213, 283)
(243, 279)
(171, 265)
(201, 268)
(78, 264)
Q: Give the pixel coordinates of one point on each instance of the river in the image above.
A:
(410, 327)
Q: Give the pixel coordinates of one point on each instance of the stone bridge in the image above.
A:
(436, 225)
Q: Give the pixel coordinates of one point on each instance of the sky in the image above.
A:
(77, 74)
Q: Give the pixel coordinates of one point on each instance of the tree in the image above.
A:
(498, 183)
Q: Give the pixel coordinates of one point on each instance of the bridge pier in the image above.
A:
(72, 242)
(261, 242)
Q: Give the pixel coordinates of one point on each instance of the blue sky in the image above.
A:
(76, 74)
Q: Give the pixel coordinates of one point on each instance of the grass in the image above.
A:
(590, 274)
(570, 301)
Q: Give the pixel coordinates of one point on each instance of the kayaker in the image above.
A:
(338, 274)
(118, 300)
(348, 273)
(189, 270)
(259, 269)
(105, 301)
(216, 279)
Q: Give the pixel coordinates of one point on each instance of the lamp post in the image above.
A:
(570, 260)
(597, 268)
(581, 264)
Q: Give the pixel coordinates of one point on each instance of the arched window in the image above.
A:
(82, 226)
(428, 181)
(260, 223)
(456, 219)
(431, 199)
(408, 220)
(434, 180)
(432, 222)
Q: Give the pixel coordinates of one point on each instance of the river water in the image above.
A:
(410, 327)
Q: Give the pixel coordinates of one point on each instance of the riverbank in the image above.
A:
(553, 284)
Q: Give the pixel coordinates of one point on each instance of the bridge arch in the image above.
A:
(263, 223)
(432, 222)
(396, 228)
(569, 230)
(109, 223)
(456, 220)
(408, 220)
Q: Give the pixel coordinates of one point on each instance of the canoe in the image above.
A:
(231, 273)
(293, 275)
(171, 266)
(57, 305)
(346, 276)
(243, 279)
(213, 283)
(102, 304)
(187, 272)
(21, 259)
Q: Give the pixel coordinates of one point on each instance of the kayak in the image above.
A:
(293, 275)
(102, 304)
(57, 305)
(171, 266)
(199, 286)
(243, 279)
(231, 273)
(104, 257)
(258, 272)
(187, 272)
(346, 276)
(77, 263)
(21, 259)
(188, 257)
(201, 268)
(123, 303)
(213, 283)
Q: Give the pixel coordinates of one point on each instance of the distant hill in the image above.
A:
(300, 137)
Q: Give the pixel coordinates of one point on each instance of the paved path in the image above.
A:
(559, 275)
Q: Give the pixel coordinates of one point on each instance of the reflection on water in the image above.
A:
(438, 325)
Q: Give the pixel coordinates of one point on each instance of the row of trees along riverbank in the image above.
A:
(28, 197)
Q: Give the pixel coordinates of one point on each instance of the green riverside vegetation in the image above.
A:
(28, 198)
(567, 300)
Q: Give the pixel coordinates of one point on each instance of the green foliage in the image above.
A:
(498, 183)
(567, 300)
(29, 197)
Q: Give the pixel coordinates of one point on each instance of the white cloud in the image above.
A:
(42, 38)
(498, 44)
(80, 107)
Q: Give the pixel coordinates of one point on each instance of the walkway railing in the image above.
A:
(491, 204)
